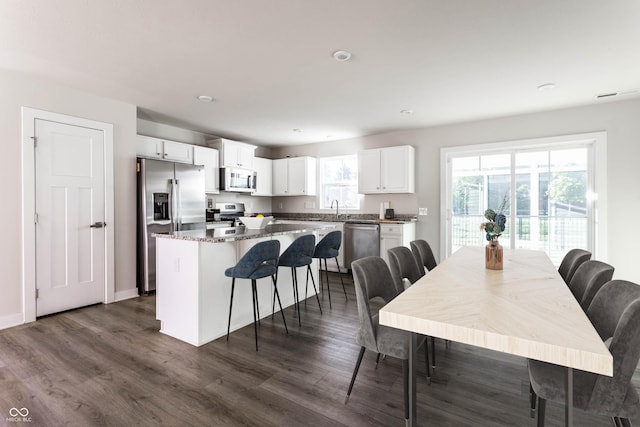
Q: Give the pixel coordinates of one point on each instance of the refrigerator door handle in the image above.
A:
(172, 205)
(178, 204)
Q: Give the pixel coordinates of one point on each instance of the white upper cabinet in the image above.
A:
(209, 158)
(162, 149)
(294, 176)
(386, 170)
(263, 168)
(233, 153)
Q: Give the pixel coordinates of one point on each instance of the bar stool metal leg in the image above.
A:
(341, 281)
(313, 282)
(233, 285)
(326, 271)
(255, 323)
(275, 288)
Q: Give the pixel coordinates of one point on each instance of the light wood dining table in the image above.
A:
(526, 309)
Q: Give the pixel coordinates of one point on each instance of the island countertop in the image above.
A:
(231, 234)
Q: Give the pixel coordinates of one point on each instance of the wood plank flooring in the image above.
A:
(108, 365)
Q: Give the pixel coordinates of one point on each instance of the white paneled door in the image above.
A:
(70, 216)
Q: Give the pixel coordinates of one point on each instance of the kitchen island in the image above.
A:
(192, 292)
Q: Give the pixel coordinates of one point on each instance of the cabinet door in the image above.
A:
(244, 155)
(279, 183)
(149, 147)
(178, 152)
(396, 170)
(263, 169)
(297, 179)
(388, 241)
(229, 154)
(369, 172)
(208, 157)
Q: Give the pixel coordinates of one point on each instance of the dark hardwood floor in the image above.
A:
(109, 365)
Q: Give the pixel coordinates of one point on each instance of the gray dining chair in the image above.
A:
(570, 263)
(404, 268)
(405, 271)
(372, 279)
(588, 280)
(615, 314)
(423, 254)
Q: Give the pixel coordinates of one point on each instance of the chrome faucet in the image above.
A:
(337, 212)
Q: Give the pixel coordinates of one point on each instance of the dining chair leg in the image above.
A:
(275, 288)
(542, 405)
(326, 273)
(296, 300)
(433, 352)
(405, 374)
(532, 398)
(233, 285)
(313, 282)
(341, 281)
(616, 422)
(377, 360)
(426, 357)
(355, 373)
(625, 422)
(255, 325)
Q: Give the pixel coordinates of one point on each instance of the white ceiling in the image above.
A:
(268, 63)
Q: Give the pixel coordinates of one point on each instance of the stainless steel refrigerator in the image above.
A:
(170, 198)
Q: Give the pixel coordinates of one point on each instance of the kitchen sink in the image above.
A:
(361, 221)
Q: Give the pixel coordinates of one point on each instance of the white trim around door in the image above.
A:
(29, 116)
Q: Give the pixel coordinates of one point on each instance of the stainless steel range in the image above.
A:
(230, 211)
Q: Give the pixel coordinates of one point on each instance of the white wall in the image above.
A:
(621, 121)
(20, 90)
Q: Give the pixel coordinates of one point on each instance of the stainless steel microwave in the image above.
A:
(238, 180)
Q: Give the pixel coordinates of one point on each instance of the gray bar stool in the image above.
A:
(260, 261)
(299, 254)
(329, 247)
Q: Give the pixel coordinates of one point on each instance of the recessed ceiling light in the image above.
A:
(406, 112)
(297, 130)
(205, 98)
(547, 86)
(341, 55)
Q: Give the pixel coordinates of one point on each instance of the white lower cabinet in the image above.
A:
(393, 235)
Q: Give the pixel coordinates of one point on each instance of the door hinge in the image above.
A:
(35, 218)
(35, 141)
(37, 293)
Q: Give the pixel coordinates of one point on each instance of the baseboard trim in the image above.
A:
(11, 320)
(126, 294)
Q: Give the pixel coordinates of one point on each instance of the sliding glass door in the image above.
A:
(543, 191)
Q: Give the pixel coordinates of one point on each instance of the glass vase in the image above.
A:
(493, 255)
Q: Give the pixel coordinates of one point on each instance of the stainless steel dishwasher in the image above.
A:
(361, 239)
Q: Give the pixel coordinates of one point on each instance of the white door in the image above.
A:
(70, 212)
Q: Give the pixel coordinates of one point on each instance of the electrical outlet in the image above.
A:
(310, 205)
(280, 205)
(422, 211)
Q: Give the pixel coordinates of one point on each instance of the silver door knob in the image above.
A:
(98, 224)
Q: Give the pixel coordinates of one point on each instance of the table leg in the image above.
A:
(568, 410)
(413, 341)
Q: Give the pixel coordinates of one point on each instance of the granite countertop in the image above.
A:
(349, 220)
(230, 234)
